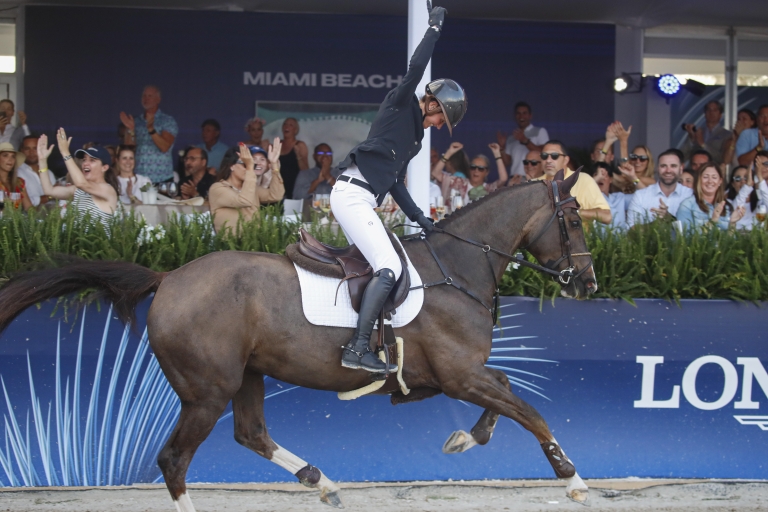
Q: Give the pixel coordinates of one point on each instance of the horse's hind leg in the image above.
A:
(195, 423)
(482, 387)
(251, 432)
(481, 433)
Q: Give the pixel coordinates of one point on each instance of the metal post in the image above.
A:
(731, 78)
(418, 169)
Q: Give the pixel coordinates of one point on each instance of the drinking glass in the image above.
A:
(15, 198)
(172, 191)
(163, 189)
(458, 202)
(761, 212)
(2, 200)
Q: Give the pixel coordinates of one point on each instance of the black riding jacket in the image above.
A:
(396, 134)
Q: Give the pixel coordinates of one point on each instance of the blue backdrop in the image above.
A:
(85, 65)
(601, 373)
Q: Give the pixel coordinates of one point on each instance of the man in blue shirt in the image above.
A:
(153, 136)
(752, 141)
(211, 145)
(663, 197)
(616, 200)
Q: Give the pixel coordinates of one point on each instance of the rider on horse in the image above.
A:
(378, 166)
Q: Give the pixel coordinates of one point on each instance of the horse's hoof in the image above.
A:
(332, 499)
(459, 442)
(580, 496)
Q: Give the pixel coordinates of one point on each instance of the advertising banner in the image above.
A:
(653, 389)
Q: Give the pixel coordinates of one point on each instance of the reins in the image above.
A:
(564, 276)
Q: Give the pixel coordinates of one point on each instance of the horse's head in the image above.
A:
(556, 239)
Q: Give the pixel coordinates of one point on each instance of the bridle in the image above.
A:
(564, 276)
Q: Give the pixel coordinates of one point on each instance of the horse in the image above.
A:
(219, 324)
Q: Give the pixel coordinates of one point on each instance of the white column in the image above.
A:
(731, 78)
(632, 108)
(418, 169)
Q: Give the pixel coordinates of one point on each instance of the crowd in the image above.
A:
(717, 179)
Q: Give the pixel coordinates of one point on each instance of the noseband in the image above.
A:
(564, 276)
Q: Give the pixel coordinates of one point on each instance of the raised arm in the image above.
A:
(500, 167)
(420, 58)
(57, 192)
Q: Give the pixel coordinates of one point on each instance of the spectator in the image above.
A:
(211, 144)
(745, 120)
(534, 168)
(434, 157)
(153, 137)
(663, 197)
(293, 157)
(454, 161)
(8, 132)
(602, 150)
(593, 205)
(10, 182)
(752, 140)
(708, 204)
(699, 158)
(525, 138)
(711, 136)
(28, 171)
(639, 173)
(318, 180)
(197, 180)
(130, 182)
(741, 191)
(474, 187)
(687, 179)
(236, 193)
(96, 188)
(616, 200)
(254, 127)
(112, 150)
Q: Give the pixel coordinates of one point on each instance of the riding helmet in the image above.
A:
(451, 98)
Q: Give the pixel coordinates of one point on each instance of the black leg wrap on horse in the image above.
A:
(357, 353)
(563, 467)
(309, 475)
(483, 430)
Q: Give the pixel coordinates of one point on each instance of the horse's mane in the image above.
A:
(476, 204)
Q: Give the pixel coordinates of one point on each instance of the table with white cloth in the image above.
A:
(161, 213)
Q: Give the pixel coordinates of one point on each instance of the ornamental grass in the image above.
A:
(651, 261)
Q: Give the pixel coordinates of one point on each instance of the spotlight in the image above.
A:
(694, 87)
(628, 83)
(668, 85)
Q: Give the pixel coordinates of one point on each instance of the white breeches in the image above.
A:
(352, 206)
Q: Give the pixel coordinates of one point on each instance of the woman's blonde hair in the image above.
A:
(13, 176)
(649, 171)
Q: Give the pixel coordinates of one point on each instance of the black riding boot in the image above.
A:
(358, 354)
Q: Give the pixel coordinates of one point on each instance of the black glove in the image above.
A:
(436, 16)
(425, 222)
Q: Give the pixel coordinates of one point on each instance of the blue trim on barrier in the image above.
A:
(655, 390)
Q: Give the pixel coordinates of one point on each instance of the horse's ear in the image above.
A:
(566, 185)
(560, 176)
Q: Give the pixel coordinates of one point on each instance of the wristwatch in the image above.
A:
(152, 131)
(623, 160)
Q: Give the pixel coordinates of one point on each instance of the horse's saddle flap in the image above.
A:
(313, 248)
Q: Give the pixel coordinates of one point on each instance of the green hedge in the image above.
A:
(648, 262)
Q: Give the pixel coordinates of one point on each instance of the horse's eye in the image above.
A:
(575, 223)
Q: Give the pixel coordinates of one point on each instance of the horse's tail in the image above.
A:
(124, 284)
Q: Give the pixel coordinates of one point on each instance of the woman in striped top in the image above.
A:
(96, 187)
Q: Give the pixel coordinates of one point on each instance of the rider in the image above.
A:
(377, 166)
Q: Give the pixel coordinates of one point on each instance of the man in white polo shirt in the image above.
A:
(29, 171)
(525, 138)
(663, 197)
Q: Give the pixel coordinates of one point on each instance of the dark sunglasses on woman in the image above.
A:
(480, 167)
(642, 158)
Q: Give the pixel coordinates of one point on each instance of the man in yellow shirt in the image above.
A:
(587, 193)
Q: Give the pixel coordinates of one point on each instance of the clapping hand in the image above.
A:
(127, 121)
(738, 214)
(519, 134)
(63, 142)
(273, 154)
(188, 190)
(628, 170)
(610, 134)
(246, 157)
(621, 133)
(43, 150)
(662, 210)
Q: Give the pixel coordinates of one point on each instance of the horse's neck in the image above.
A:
(500, 221)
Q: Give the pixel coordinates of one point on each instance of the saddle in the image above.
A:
(348, 264)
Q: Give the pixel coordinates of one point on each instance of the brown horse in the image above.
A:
(220, 323)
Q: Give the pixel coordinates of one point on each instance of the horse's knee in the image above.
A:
(256, 438)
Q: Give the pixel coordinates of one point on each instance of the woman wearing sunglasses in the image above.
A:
(378, 166)
(638, 172)
(236, 192)
(474, 187)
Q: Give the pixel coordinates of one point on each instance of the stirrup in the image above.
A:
(358, 364)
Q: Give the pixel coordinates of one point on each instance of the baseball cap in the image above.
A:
(96, 152)
(258, 149)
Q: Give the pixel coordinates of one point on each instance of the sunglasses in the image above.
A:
(321, 153)
(642, 158)
(481, 167)
(531, 162)
(555, 156)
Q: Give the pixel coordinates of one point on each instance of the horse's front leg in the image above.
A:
(482, 387)
(481, 433)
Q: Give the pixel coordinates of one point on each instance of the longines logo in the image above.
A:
(752, 371)
(321, 80)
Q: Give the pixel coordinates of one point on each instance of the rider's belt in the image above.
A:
(357, 182)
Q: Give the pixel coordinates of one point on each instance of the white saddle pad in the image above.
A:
(317, 295)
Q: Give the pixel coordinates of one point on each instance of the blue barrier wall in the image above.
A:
(604, 374)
